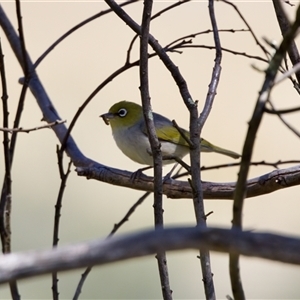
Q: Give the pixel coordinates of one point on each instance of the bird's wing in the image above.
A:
(165, 131)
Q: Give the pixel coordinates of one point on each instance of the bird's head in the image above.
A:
(123, 114)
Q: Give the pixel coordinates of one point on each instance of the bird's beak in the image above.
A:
(106, 117)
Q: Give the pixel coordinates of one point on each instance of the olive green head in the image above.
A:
(123, 114)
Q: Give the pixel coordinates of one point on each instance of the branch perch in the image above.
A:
(176, 189)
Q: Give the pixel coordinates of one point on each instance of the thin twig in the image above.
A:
(81, 282)
(63, 177)
(129, 213)
(196, 125)
(284, 25)
(193, 35)
(268, 55)
(222, 166)
(182, 133)
(289, 3)
(6, 198)
(274, 111)
(289, 126)
(253, 163)
(27, 130)
(158, 14)
(225, 50)
(4, 233)
(295, 69)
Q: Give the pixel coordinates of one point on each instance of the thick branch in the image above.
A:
(176, 189)
(263, 245)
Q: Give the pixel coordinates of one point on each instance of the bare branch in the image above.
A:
(129, 213)
(155, 146)
(288, 73)
(193, 35)
(196, 126)
(158, 14)
(81, 282)
(284, 25)
(253, 163)
(27, 130)
(290, 127)
(4, 204)
(63, 177)
(264, 184)
(281, 111)
(288, 2)
(225, 50)
(99, 252)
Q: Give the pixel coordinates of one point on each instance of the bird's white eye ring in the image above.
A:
(122, 112)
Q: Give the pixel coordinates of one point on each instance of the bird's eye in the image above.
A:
(122, 112)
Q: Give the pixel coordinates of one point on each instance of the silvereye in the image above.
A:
(130, 133)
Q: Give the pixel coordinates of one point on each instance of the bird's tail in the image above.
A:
(208, 147)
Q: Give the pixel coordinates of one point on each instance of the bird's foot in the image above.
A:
(137, 174)
(168, 175)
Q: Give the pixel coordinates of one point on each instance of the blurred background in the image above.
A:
(90, 208)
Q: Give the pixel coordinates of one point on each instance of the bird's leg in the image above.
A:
(136, 175)
(168, 176)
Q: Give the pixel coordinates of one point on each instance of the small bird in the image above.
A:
(130, 133)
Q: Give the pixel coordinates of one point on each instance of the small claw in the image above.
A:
(168, 176)
(137, 174)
